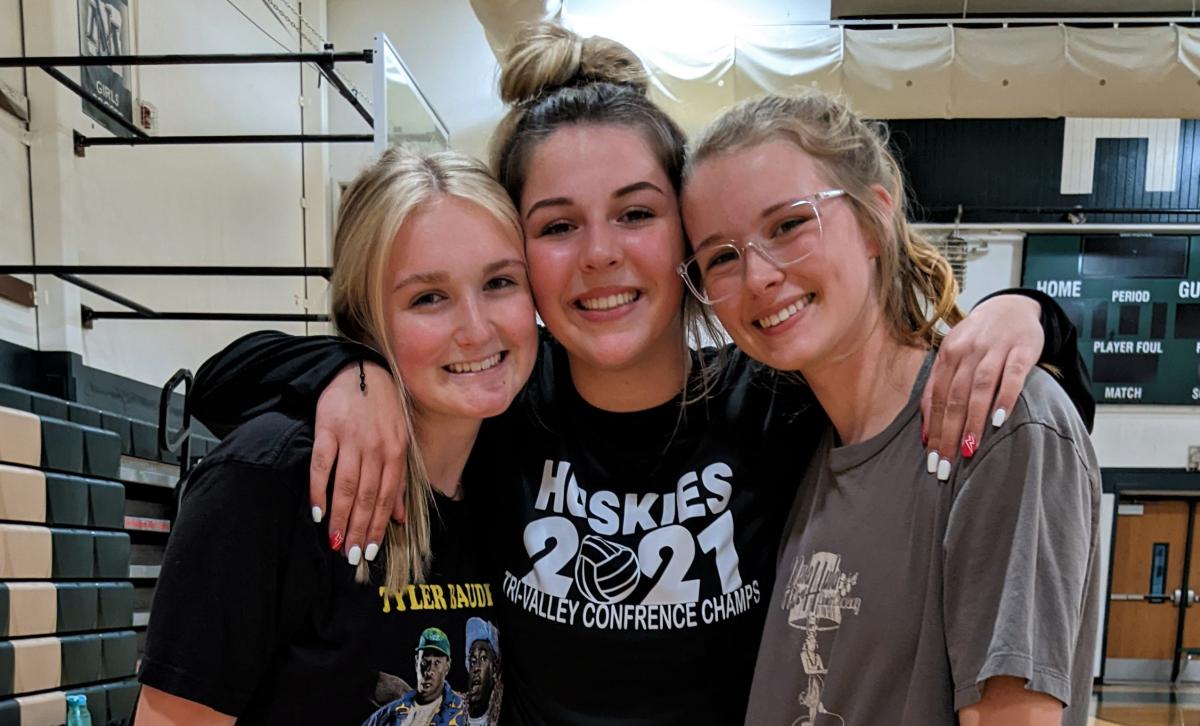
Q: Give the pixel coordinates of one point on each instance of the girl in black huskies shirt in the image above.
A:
(254, 617)
(634, 495)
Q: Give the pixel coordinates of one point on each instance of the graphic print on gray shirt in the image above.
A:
(897, 594)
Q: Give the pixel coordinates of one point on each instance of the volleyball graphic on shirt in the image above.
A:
(606, 572)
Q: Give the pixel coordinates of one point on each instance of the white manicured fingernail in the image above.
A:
(355, 554)
(998, 418)
(931, 462)
(372, 550)
(943, 470)
(317, 514)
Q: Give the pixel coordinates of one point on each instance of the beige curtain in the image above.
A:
(934, 72)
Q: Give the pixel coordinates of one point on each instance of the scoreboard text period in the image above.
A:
(1135, 302)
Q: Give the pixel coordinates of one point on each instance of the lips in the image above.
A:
(476, 366)
(599, 303)
(781, 316)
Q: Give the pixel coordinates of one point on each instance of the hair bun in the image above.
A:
(546, 56)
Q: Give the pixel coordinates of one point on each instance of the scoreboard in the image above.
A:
(1135, 303)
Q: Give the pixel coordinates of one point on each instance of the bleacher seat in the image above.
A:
(111, 555)
(74, 554)
(101, 452)
(106, 504)
(66, 499)
(42, 708)
(35, 664)
(29, 608)
(121, 697)
(145, 439)
(22, 494)
(48, 608)
(26, 552)
(85, 415)
(44, 663)
(119, 654)
(97, 702)
(120, 425)
(50, 407)
(115, 601)
(62, 445)
(20, 437)
(78, 606)
(13, 397)
(81, 659)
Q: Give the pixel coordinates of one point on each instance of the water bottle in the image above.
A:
(77, 710)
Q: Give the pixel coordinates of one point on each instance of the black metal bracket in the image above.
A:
(137, 311)
(324, 61)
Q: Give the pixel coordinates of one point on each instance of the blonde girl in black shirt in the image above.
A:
(255, 619)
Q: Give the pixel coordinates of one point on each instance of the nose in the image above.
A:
(761, 274)
(602, 249)
(474, 326)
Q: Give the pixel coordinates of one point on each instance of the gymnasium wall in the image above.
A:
(166, 205)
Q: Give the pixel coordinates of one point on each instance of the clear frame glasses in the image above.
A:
(714, 273)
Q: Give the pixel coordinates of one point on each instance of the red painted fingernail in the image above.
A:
(969, 445)
(336, 538)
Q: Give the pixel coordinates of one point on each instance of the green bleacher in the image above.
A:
(84, 518)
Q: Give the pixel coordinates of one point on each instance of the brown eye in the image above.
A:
(636, 215)
(556, 228)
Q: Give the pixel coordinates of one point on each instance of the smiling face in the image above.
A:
(802, 316)
(603, 239)
(461, 322)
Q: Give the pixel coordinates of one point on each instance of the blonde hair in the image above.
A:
(373, 209)
(916, 286)
(551, 78)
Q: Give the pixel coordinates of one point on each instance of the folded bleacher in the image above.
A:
(84, 502)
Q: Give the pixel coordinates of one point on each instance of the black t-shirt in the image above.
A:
(256, 617)
(635, 552)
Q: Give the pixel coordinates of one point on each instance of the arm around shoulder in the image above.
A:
(266, 370)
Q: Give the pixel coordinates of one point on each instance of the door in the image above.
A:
(1189, 666)
(1147, 600)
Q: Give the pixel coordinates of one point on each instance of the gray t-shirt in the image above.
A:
(897, 595)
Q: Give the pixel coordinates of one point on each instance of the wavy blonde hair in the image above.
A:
(917, 290)
(373, 209)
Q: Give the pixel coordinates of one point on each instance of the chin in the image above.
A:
(486, 406)
(782, 355)
(620, 349)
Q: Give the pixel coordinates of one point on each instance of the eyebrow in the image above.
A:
(623, 191)
(441, 277)
(778, 206)
(762, 215)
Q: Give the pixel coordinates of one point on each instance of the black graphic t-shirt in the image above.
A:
(256, 617)
(635, 551)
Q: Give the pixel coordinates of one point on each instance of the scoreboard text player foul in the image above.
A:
(1135, 302)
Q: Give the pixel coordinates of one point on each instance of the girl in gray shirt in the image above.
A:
(905, 593)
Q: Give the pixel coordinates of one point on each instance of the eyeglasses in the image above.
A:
(714, 273)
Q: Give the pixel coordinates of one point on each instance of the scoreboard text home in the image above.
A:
(1135, 302)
